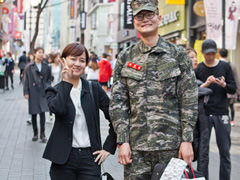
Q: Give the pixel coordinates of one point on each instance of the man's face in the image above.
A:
(146, 22)
(209, 56)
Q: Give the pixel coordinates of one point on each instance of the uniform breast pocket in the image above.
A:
(168, 82)
(133, 77)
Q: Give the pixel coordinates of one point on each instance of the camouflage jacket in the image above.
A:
(154, 97)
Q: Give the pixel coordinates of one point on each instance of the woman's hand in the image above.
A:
(66, 71)
(102, 156)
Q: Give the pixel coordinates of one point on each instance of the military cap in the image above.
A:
(139, 5)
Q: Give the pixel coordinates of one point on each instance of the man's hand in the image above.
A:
(124, 155)
(221, 81)
(186, 152)
(26, 96)
(209, 81)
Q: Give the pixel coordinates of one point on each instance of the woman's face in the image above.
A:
(39, 55)
(77, 64)
(193, 56)
(57, 59)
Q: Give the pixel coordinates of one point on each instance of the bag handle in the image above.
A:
(186, 174)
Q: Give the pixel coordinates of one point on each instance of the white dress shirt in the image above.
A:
(80, 129)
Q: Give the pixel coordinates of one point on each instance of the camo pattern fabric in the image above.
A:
(139, 5)
(143, 163)
(154, 108)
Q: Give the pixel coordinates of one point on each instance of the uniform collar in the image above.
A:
(159, 48)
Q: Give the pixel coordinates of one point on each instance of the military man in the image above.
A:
(154, 98)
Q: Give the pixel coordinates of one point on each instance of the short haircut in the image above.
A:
(75, 49)
(24, 52)
(9, 53)
(104, 55)
(223, 52)
(37, 49)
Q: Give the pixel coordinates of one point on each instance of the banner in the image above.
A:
(128, 16)
(19, 6)
(213, 13)
(198, 48)
(175, 2)
(231, 23)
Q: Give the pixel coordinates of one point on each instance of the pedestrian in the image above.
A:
(74, 147)
(37, 77)
(55, 68)
(201, 131)
(232, 98)
(153, 104)
(21, 64)
(92, 70)
(217, 75)
(9, 69)
(105, 71)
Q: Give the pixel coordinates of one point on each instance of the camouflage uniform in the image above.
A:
(154, 102)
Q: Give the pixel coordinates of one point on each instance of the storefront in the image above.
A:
(173, 22)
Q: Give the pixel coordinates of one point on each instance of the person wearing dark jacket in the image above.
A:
(21, 64)
(217, 75)
(74, 146)
(9, 62)
(37, 77)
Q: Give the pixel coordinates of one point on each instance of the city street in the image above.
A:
(21, 159)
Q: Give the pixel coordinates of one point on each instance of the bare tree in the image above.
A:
(39, 8)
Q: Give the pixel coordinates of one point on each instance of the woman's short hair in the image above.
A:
(9, 53)
(37, 49)
(75, 49)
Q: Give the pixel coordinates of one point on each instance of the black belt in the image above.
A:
(82, 149)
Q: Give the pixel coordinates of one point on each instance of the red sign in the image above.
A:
(5, 10)
(19, 6)
(18, 35)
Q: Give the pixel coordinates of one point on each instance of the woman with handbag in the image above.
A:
(74, 146)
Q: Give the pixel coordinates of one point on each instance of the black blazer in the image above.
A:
(59, 102)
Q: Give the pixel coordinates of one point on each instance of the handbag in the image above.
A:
(105, 175)
(190, 173)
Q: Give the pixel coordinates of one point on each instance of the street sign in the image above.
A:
(83, 20)
(175, 2)
(128, 15)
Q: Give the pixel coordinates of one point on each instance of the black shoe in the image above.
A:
(35, 138)
(7, 89)
(43, 138)
(29, 122)
(12, 87)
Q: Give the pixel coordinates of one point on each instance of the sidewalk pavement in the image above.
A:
(21, 159)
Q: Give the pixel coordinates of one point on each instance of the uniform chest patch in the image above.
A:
(134, 66)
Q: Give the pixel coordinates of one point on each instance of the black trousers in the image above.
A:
(42, 123)
(20, 75)
(80, 166)
(222, 127)
(8, 74)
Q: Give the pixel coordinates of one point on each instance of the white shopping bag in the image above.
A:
(174, 169)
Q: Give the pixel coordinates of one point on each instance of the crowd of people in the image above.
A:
(163, 104)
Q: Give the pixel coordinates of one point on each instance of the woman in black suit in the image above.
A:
(74, 146)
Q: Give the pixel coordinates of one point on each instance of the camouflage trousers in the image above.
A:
(143, 163)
